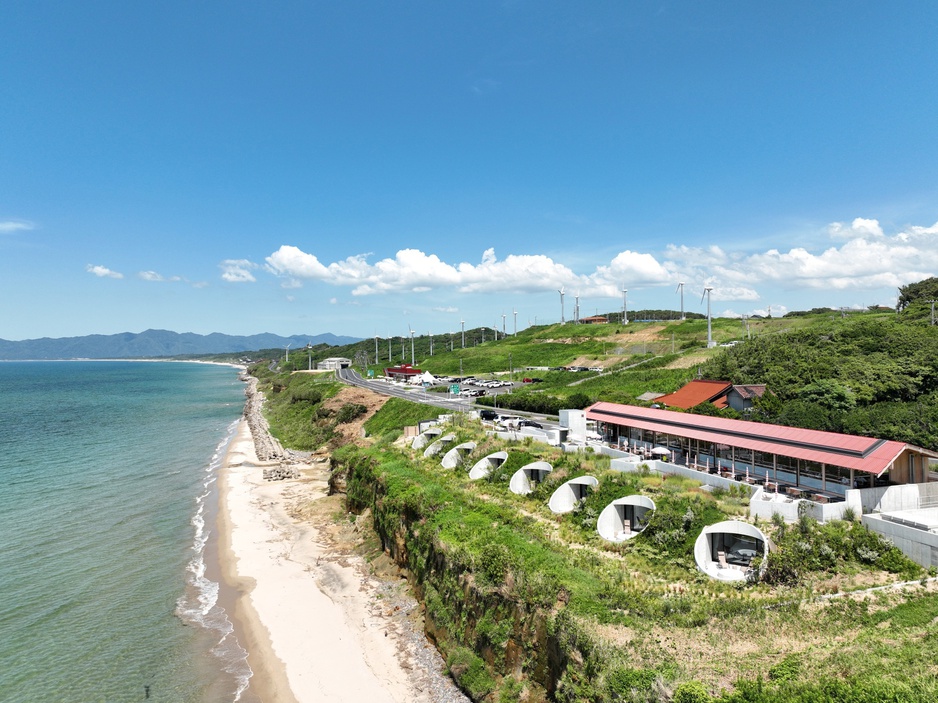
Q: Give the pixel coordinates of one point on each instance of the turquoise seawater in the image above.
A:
(107, 500)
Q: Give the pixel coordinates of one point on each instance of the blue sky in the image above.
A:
(363, 167)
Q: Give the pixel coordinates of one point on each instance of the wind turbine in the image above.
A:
(288, 352)
(503, 326)
(680, 287)
(706, 293)
(625, 306)
(576, 308)
(463, 323)
(562, 321)
(410, 329)
(515, 313)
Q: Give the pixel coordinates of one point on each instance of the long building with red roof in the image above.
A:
(813, 459)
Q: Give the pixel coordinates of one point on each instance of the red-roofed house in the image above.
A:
(720, 393)
(697, 392)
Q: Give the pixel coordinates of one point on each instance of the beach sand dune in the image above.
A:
(317, 624)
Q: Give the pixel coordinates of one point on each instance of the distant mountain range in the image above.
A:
(155, 343)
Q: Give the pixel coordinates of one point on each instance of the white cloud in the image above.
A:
(103, 271)
(15, 226)
(158, 277)
(449, 309)
(859, 228)
(864, 258)
(237, 270)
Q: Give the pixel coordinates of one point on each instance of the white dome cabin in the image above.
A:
(438, 445)
(425, 437)
(454, 456)
(566, 497)
(624, 518)
(528, 476)
(484, 466)
(725, 551)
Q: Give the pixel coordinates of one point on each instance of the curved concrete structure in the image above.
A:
(624, 518)
(438, 445)
(725, 551)
(524, 479)
(454, 456)
(483, 467)
(572, 492)
(425, 437)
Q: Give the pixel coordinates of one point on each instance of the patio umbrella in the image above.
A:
(660, 451)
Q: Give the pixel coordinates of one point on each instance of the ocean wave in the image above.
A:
(198, 605)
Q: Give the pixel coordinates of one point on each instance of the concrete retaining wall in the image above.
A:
(920, 546)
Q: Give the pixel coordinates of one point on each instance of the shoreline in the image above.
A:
(315, 623)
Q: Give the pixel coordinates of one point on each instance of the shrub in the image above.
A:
(691, 692)
(349, 412)
(469, 672)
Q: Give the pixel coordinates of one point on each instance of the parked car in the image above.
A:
(489, 415)
(531, 423)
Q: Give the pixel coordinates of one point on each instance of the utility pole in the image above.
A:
(932, 310)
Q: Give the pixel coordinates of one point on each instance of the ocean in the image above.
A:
(107, 515)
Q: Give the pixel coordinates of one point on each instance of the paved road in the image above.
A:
(439, 400)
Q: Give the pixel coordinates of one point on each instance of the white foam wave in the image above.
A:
(199, 604)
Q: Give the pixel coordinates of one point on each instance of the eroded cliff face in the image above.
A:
(473, 623)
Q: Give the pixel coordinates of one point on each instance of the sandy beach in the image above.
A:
(317, 625)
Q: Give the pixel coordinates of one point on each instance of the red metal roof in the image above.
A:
(402, 370)
(849, 451)
(697, 392)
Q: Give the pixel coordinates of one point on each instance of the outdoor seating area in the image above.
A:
(803, 464)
